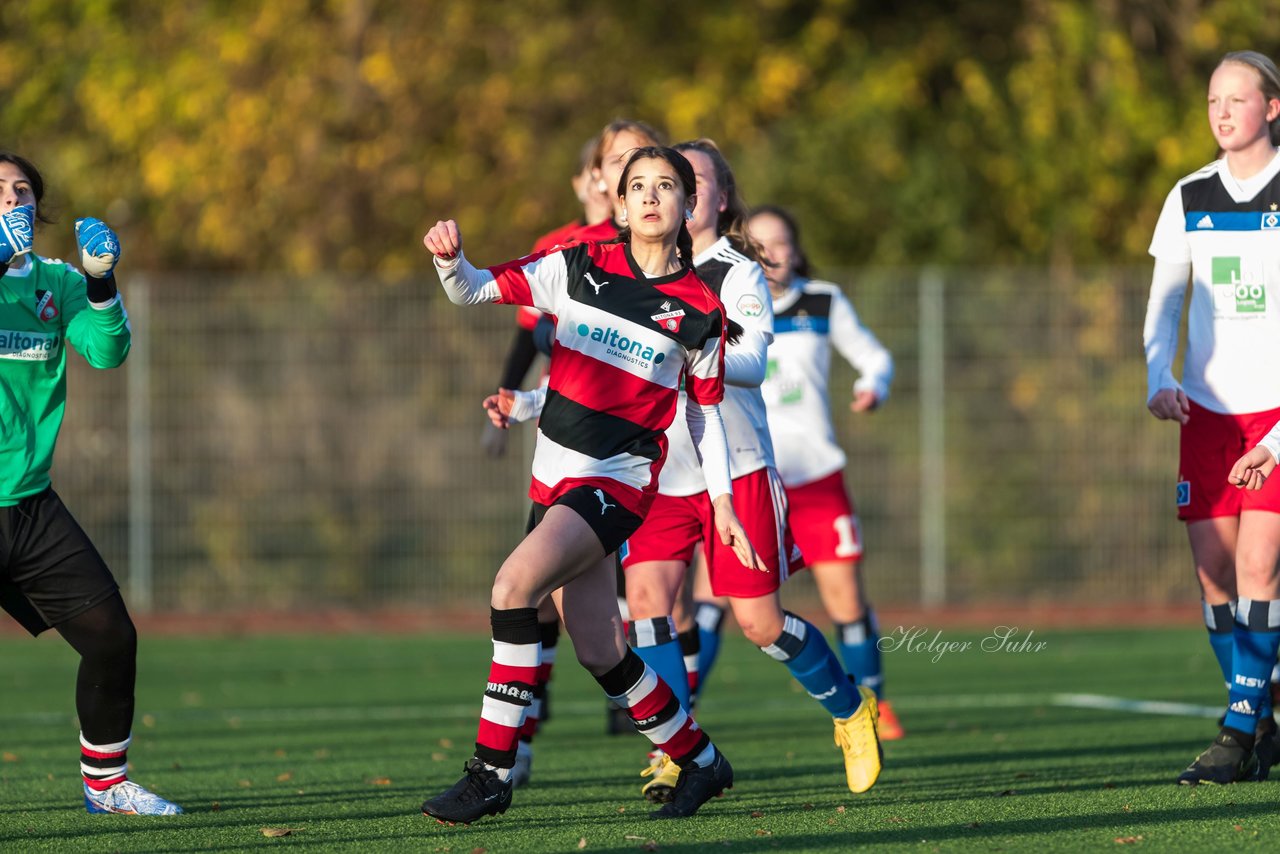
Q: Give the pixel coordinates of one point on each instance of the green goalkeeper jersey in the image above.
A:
(43, 307)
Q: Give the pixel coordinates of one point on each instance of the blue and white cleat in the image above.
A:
(128, 798)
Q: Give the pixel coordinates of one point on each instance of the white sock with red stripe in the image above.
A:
(507, 697)
(657, 714)
(104, 765)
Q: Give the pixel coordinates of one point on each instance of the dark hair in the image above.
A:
(32, 174)
(684, 241)
(617, 126)
(800, 261)
(732, 222)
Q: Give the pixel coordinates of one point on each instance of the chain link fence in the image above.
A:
(281, 443)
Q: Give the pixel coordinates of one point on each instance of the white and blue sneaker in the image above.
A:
(128, 798)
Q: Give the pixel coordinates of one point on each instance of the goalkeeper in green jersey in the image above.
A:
(50, 573)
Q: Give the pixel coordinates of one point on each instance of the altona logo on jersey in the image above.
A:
(668, 317)
(28, 346)
(621, 347)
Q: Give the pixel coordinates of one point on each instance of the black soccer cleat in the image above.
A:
(696, 786)
(1227, 760)
(479, 793)
(1266, 748)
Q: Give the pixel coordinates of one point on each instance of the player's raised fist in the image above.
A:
(443, 240)
(15, 232)
(99, 247)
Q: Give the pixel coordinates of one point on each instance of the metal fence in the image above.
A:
(285, 443)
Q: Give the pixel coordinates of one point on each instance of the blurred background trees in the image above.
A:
(304, 135)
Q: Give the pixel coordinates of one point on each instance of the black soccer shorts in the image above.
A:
(49, 570)
(611, 522)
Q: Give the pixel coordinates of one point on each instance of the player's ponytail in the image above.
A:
(1268, 81)
(684, 243)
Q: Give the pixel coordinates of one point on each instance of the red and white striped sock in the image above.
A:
(657, 714)
(104, 765)
(507, 697)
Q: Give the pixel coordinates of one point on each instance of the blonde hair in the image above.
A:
(1268, 81)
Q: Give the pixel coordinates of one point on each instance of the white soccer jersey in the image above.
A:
(1229, 232)
(808, 319)
(741, 286)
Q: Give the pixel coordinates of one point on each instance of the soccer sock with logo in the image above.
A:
(540, 708)
(103, 765)
(859, 644)
(655, 641)
(516, 653)
(690, 646)
(657, 714)
(1257, 637)
(710, 619)
(1220, 621)
(804, 651)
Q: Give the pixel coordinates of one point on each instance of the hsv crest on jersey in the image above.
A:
(667, 317)
(46, 310)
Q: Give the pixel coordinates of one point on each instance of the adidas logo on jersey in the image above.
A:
(1205, 222)
(1242, 707)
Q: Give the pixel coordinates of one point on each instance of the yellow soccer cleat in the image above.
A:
(856, 737)
(665, 774)
(888, 727)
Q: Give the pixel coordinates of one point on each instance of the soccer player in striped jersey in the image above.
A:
(50, 574)
(1220, 231)
(600, 167)
(657, 556)
(632, 323)
(811, 317)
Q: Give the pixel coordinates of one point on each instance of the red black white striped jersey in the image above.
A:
(624, 341)
(569, 234)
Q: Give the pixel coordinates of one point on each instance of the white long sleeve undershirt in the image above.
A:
(1164, 315)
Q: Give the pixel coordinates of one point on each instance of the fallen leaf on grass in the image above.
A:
(757, 814)
(285, 777)
(216, 806)
(974, 824)
(582, 843)
(380, 781)
(840, 808)
(1237, 827)
(1127, 840)
(148, 721)
(622, 810)
(246, 784)
(279, 831)
(1126, 808)
(762, 832)
(280, 754)
(649, 845)
(10, 757)
(438, 757)
(446, 743)
(477, 851)
(896, 819)
(806, 806)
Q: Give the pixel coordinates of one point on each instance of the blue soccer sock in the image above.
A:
(1257, 638)
(804, 651)
(1220, 620)
(710, 619)
(655, 641)
(859, 644)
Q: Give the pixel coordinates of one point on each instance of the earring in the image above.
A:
(622, 218)
(688, 215)
(602, 186)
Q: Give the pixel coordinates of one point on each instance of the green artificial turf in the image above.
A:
(339, 739)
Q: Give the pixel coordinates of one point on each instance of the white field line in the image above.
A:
(1140, 707)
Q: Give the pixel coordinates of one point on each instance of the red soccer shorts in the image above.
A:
(823, 520)
(760, 502)
(670, 530)
(1211, 443)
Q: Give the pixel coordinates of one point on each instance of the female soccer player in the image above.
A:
(657, 555)
(600, 167)
(809, 318)
(1220, 230)
(632, 323)
(52, 574)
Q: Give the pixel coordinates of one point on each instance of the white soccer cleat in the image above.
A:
(128, 798)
